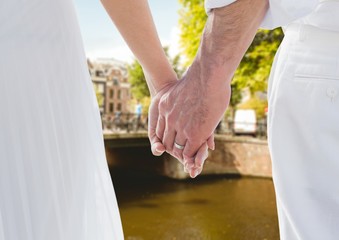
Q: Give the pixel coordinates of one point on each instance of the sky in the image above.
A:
(102, 40)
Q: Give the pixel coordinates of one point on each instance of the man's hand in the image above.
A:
(157, 126)
(188, 114)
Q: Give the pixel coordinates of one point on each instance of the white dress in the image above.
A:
(54, 179)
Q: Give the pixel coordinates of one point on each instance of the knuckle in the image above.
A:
(190, 133)
(194, 143)
(167, 146)
(162, 106)
(188, 155)
(171, 119)
(177, 155)
(159, 133)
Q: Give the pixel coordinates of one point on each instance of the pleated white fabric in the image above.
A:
(54, 179)
(304, 133)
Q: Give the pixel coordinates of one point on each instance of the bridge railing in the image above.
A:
(130, 122)
(124, 122)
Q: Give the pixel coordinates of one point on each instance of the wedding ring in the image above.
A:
(181, 147)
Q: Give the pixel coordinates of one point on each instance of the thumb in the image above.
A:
(157, 147)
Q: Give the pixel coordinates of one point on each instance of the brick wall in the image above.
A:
(246, 156)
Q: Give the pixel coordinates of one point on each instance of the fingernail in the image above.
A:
(195, 173)
(159, 151)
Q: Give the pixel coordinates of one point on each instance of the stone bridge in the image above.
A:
(246, 156)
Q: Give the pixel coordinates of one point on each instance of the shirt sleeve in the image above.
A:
(280, 12)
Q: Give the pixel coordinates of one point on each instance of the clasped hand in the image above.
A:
(182, 118)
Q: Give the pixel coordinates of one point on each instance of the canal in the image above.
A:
(206, 208)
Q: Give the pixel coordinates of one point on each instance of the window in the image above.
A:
(119, 94)
(111, 93)
(111, 107)
(99, 73)
(119, 107)
(115, 81)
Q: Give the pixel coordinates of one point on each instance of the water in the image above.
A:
(225, 208)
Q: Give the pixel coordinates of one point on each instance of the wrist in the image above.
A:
(212, 71)
(159, 81)
(213, 80)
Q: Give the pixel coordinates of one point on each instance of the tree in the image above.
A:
(100, 97)
(192, 21)
(137, 78)
(255, 66)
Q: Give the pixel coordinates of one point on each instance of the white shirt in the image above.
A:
(325, 16)
(320, 13)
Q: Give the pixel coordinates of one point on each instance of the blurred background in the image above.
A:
(234, 198)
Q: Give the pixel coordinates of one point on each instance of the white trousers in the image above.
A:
(304, 133)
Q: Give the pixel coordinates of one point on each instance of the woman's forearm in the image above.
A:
(134, 21)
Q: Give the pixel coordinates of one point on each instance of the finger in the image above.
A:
(185, 169)
(190, 150)
(210, 142)
(195, 172)
(201, 156)
(160, 128)
(157, 147)
(168, 139)
(169, 135)
(189, 163)
(180, 140)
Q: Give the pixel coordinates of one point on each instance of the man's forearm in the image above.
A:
(228, 33)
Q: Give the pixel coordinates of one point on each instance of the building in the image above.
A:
(110, 81)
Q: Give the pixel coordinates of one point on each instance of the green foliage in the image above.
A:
(256, 104)
(192, 21)
(255, 66)
(100, 97)
(175, 62)
(137, 78)
(236, 94)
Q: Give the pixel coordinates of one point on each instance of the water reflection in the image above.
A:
(225, 208)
